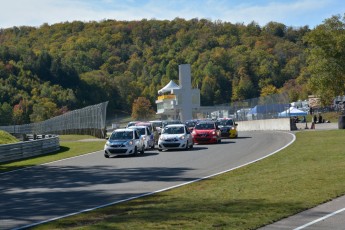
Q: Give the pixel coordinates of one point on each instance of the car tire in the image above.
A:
(160, 150)
(106, 155)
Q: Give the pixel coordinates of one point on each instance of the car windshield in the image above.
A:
(157, 124)
(173, 130)
(141, 131)
(226, 122)
(205, 126)
(190, 123)
(131, 124)
(171, 122)
(121, 135)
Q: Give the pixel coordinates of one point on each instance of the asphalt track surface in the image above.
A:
(42, 193)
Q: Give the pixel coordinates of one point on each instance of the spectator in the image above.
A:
(320, 118)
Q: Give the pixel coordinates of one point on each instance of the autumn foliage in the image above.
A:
(75, 64)
(142, 109)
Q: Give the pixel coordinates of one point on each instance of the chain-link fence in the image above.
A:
(260, 108)
(268, 107)
(87, 121)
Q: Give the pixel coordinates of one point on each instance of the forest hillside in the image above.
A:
(52, 69)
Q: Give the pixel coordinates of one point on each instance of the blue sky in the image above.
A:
(289, 12)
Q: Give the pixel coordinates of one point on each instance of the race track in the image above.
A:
(44, 192)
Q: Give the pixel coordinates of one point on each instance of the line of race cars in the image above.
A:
(138, 136)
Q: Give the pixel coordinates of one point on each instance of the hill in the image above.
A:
(49, 70)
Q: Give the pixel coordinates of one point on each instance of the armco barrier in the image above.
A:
(28, 149)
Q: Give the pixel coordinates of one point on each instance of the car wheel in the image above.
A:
(160, 150)
(106, 155)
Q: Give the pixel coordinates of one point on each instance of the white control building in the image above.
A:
(179, 101)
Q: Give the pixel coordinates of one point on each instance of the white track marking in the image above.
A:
(320, 219)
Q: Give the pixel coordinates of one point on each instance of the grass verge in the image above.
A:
(70, 146)
(6, 138)
(305, 174)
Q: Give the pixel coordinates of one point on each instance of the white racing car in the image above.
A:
(124, 142)
(176, 136)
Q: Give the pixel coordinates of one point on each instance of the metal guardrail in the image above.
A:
(26, 149)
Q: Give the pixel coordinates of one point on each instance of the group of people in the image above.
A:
(315, 119)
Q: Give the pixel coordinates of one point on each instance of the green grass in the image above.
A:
(75, 137)
(70, 146)
(307, 173)
(6, 138)
(329, 116)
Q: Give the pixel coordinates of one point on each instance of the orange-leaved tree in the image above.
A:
(142, 109)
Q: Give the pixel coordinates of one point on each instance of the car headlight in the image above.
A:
(161, 138)
(182, 137)
(107, 143)
(213, 133)
(131, 142)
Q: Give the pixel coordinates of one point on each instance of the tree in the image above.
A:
(208, 91)
(18, 115)
(275, 29)
(326, 57)
(268, 90)
(43, 110)
(21, 112)
(5, 114)
(142, 109)
(293, 89)
(243, 87)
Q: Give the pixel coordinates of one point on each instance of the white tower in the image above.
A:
(184, 99)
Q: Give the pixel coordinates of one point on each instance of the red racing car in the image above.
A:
(206, 132)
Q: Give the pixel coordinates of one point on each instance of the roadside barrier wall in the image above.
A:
(26, 149)
(268, 124)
